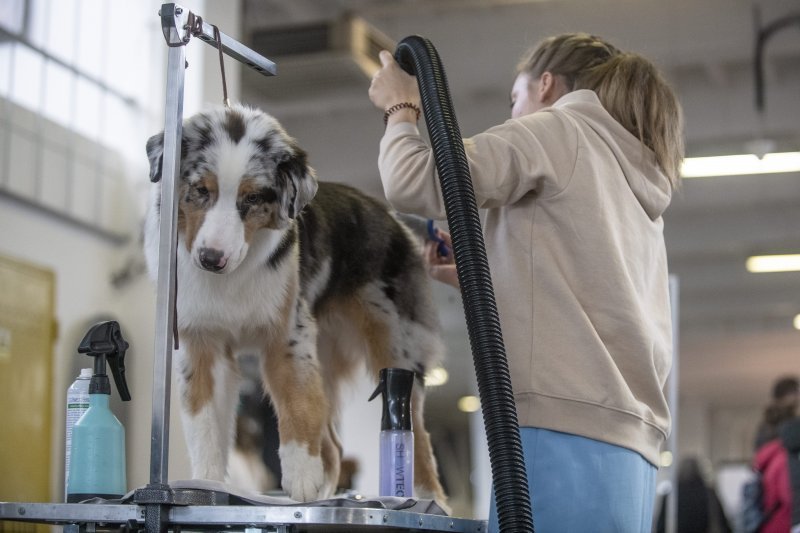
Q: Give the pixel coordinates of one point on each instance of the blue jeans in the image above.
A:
(583, 485)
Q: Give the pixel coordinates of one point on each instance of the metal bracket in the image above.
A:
(763, 34)
(174, 24)
(180, 25)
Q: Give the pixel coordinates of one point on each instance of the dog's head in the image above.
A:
(239, 173)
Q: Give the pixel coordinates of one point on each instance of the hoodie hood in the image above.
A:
(647, 181)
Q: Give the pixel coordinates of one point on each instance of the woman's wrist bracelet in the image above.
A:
(398, 107)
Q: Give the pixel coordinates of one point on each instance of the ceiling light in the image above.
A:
(469, 404)
(436, 376)
(738, 165)
(797, 322)
(773, 263)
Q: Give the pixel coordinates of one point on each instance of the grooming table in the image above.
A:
(86, 517)
(202, 504)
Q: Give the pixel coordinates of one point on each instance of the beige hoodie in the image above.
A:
(574, 237)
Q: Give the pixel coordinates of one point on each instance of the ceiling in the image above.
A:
(735, 327)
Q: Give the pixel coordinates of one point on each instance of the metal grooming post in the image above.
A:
(178, 26)
(175, 25)
(673, 400)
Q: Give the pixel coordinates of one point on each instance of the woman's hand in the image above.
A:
(392, 85)
(441, 268)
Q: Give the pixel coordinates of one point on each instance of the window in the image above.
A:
(76, 88)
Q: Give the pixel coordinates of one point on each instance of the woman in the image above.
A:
(699, 508)
(574, 186)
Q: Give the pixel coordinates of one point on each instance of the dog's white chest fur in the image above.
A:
(250, 297)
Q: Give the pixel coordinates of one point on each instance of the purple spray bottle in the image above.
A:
(397, 439)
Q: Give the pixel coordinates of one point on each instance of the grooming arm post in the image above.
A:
(177, 30)
(673, 400)
(172, 20)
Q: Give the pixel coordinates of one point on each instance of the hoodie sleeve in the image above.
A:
(534, 154)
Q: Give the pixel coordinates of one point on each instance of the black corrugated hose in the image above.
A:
(417, 56)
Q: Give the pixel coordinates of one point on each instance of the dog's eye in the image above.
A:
(202, 191)
(263, 196)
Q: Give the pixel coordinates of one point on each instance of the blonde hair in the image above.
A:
(628, 85)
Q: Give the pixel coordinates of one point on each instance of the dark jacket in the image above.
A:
(790, 435)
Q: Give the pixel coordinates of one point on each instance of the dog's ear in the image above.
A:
(155, 153)
(300, 182)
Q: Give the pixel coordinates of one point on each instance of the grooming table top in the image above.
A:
(203, 504)
(288, 519)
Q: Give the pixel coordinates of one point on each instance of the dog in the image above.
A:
(313, 277)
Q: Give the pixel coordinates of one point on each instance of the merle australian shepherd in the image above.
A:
(313, 277)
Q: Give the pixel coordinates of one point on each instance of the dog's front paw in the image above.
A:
(303, 474)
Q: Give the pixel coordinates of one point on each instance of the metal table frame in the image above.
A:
(79, 518)
(157, 507)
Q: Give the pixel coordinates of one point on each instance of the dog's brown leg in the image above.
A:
(291, 373)
(310, 458)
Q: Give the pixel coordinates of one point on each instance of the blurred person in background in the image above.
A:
(699, 508)
(785, 399)
(771, 459)
(790, 436)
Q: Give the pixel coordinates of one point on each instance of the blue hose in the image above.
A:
(416, 55)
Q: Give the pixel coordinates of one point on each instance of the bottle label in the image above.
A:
(77, 404)
(397, 464)
(400, 469)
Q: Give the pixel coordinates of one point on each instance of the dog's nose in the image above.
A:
(211, 259)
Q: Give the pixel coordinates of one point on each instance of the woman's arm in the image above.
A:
(506, 162)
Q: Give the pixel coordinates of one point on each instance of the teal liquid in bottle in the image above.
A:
(97, 459)
(97, 465)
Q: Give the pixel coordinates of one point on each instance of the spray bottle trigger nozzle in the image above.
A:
(379, 389)
(104, 341)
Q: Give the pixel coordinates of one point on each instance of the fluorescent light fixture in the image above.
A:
(796, 322)
(436, 376)
(739, 165)
(773, 263)
(469, 404)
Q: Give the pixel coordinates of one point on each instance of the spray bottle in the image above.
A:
(77, 404)
(396, 440)
(97, 462)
